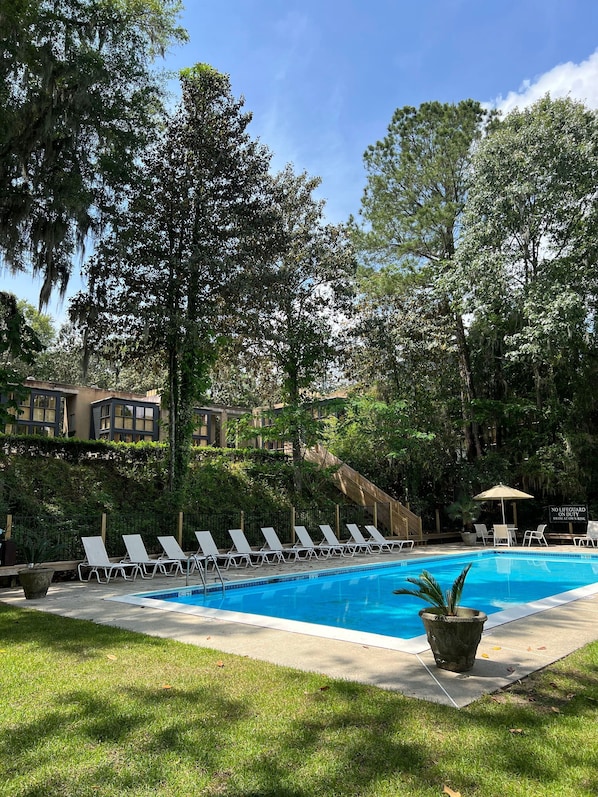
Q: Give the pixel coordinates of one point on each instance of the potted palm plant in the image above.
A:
(37, 576)
(467, 511)
(453, 631)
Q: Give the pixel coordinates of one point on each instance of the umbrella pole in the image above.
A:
(502, 503)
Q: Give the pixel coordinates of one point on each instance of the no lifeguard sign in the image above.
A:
(573, 513)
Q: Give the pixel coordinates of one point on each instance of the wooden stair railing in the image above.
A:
(400, 521)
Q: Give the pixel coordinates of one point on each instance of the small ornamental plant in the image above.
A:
(429, 590)
(38, 549)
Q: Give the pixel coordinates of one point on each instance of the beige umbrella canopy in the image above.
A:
(501, 492)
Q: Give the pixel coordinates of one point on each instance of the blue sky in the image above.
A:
(323, 77)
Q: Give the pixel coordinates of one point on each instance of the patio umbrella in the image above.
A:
(501, 492)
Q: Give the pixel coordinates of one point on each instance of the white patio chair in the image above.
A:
(273, 543)
(535, 534)
(173, 551)
(393, 542)
(137, 553)
(334, 544)
(590, 538)
(96, 560)
(501, 535)
(307, 544)
(361, 544)
(210, 551)
(241, 545)
(482, 533)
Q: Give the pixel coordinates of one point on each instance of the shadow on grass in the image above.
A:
(241, 727)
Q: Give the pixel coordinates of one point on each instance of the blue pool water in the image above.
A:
(362, 599)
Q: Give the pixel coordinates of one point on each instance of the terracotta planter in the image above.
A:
(469, 537)
(454, 640)
(36, 581)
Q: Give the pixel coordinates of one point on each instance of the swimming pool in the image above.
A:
(357, 603)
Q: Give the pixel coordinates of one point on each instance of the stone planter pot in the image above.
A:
(454, 640)
(469, 537)
(36, 581)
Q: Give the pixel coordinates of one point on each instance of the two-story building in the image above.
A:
(54, 409)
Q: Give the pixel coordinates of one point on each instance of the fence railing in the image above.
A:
(66, 533)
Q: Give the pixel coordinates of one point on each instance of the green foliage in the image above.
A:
(66, 479)
(464, 509)
(205, 216)
(412, 207)
(430, 591)
(37, 549)
(78, 102)
(379, 440)
(290, 319)
(19, 346)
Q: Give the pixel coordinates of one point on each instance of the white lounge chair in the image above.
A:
(137, 553)
(392, 543)
(590, 538)
(241, 545)
(335, 545)
(482, 533)
(273, 543)
(307, 544)
(96, 560)
(361, 544)
(210, 551)
(535, 534)
(173, 551)
(501, 535)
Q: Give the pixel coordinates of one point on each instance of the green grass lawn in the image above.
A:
(92, 710)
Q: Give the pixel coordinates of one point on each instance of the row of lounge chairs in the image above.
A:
(174, 560)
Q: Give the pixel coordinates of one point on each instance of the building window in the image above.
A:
(44, 409)
(123, 416)
(104, 419)
(144, 420)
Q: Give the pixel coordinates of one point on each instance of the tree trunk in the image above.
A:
(468, 393)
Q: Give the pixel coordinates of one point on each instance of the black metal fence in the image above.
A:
(64, 535)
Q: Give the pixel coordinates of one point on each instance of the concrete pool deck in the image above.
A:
(506, 654)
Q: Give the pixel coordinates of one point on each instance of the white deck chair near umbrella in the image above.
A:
(392, 543)
(535, 534)
(172, 550)
(137, 553)
(502, 535)
(97, 560)
(502, 493)
(210, 551)
(482, 533)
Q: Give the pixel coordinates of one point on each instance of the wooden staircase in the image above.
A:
(389, 512)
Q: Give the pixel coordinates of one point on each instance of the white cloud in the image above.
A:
(578, 81)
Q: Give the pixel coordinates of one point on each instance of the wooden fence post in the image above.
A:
(242, 521)
(293, 518)
(338, 521)
(376, 514)
(8, 529)
(103, 528)
(180, 529)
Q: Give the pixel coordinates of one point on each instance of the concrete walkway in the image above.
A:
(506, 653)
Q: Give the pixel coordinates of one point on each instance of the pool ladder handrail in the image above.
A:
(202, 573)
